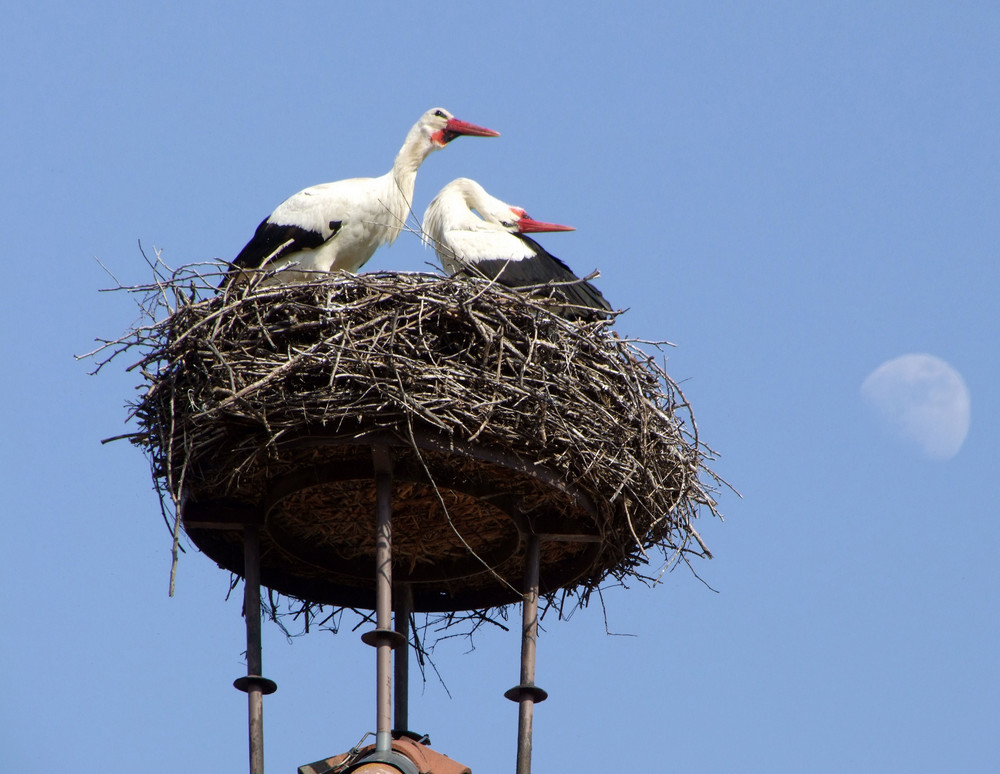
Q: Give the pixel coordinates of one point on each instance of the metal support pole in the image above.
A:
(401, 662)
(254, 685)
(527, 694)
(383, 596)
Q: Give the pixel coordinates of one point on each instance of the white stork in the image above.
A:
(339, 225)
(492, 244)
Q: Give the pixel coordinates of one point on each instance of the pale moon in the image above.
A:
(923, 401)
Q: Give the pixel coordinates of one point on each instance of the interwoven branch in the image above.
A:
(228, 376)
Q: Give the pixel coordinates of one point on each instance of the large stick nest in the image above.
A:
(262, 404)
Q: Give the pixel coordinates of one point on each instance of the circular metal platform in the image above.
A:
(461, 517)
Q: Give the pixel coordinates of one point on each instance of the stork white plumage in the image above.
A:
(475, 233)
(339, 225)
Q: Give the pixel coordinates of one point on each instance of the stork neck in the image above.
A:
(397, 188)
(403, 181)
(404, 169)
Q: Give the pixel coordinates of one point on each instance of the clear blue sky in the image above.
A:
(793, 193)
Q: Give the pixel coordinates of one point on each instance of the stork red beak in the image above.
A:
(454, 127)
(528, 226)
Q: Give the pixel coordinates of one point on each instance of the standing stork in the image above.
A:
(339, 225)
(475, 233)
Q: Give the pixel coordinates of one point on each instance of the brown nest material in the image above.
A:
(262, 405)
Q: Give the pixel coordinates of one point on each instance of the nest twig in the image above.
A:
(230, 377)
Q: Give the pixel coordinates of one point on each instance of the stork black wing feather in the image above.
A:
(539, 269)
(272, 241)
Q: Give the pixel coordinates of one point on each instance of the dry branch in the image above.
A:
(230, 377)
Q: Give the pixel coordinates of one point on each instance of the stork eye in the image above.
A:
(506, 224)
(440, 114)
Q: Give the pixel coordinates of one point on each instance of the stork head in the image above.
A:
(441, 127)
(465, 204)
(508, 216)
(524, 224)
